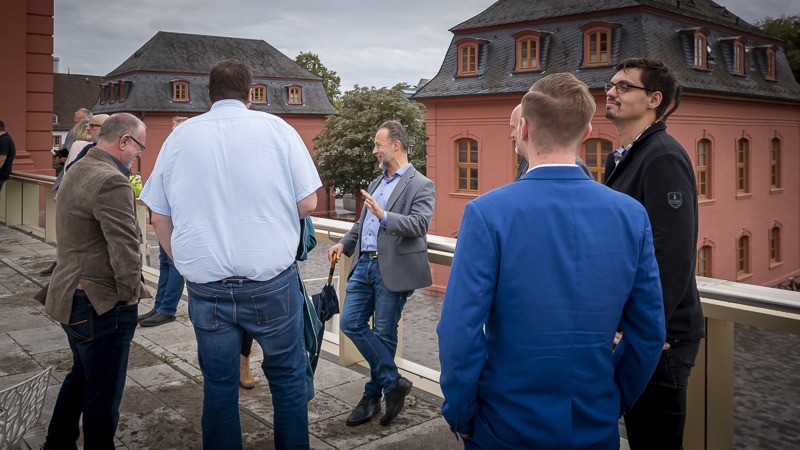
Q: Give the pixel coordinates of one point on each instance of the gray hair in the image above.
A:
(86, 113)
(117, 125)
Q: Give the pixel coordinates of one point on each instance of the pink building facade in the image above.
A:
(739, 119)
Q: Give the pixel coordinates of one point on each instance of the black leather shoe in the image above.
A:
(146, 315)
(49, 270)
(156, 319)
(366, 408)
(395, 400)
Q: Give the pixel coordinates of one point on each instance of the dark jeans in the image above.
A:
(272, 313)
(657, 418)
(170, 285)
(100, 346)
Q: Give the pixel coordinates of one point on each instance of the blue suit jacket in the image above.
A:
(545, 270)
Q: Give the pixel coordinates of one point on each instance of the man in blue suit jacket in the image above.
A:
(545, 271)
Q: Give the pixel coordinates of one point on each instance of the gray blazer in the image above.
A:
(402, 245)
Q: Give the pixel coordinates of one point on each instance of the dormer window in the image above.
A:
(734, 49)
(180, 91)
(597, 41)
(295, 95)
(700, 50)
(468, 56)
(259, 93)
(121, 91)
(528, 50)
(111, 89)
(770, 75)
(55, 119)
(738, 58)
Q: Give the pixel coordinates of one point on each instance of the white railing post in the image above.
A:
(13, 190)
(49, 215)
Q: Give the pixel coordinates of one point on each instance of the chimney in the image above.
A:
(55, 64)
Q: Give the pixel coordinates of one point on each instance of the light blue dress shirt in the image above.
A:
(230, 179)
(369, 233)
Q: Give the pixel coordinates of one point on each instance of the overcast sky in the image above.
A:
(367, 42)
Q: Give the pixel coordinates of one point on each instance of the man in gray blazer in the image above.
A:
(97, 284)
(389, 249)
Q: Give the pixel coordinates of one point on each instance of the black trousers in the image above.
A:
(657, 418)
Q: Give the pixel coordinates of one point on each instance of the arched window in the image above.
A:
(742, 166)
(467, 164)
(700, 50)
(775, 245)
(703, 169)
(180, 91)
(738, 58)
(259, 93)
(528, 50)
(743, 256)
(704, 261)
(598, 45)
(771, 64)
(468, 57)
(775, 163)
(595, 152)
(295, 95)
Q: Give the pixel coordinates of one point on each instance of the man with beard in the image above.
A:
(390, 254)
(653, 168)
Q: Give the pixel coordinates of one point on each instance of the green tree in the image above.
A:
(344, 146)
(331, 82)
(788, 29)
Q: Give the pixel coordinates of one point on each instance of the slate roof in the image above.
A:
(642, 33)
(505, 12)
(72, 92)
(167, 57)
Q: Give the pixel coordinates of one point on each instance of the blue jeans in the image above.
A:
(272, 313)
(170, 285)
(367, 294)
(100, 346)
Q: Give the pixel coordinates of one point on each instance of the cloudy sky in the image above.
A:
(367, 42)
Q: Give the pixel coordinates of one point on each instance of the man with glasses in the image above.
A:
(653, 168)
(94, 130)
(97, 285)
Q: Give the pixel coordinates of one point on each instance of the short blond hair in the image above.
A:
(558, 109)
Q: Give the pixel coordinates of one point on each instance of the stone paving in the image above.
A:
(161, 405)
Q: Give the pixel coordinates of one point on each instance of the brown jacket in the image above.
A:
(98, 239)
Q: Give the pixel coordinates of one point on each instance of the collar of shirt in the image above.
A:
(552, 165)
(400, 172)
(228, 102)
(620, 152)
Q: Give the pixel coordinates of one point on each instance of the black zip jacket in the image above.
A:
(658, 173)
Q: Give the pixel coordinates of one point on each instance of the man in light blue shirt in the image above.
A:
(227, 192)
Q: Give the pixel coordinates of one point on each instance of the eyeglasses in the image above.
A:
(141, 147)
(623, 87)
(92, 125)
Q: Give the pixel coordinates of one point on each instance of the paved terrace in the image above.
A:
(161, 406)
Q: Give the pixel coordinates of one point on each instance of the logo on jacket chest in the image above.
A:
(675, 199)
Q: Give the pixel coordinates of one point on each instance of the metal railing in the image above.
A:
(709, 422)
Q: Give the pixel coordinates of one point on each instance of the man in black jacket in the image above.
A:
(652, 167)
